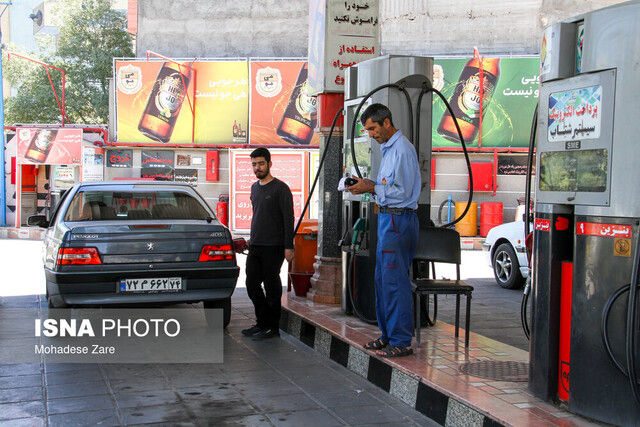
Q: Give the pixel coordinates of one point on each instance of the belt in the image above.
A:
(395, 211)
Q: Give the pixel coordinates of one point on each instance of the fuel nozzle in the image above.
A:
(350, 181)
(358, 228)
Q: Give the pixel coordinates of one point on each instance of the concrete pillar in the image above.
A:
(326, 283)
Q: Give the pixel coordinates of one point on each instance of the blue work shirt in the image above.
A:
(398, 184)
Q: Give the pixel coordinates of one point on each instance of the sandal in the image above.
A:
(375, 345)
(394, 351)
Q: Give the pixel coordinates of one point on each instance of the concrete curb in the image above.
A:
(440, 407)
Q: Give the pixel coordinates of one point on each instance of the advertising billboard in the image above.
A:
(511, 88)
(51, 146)
(289, 166)
(154, 101)
(282, 111)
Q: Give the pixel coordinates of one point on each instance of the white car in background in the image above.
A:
(507, 254)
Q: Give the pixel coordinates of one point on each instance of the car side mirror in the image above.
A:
(38, 221)
(524, 217)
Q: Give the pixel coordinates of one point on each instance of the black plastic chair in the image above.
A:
(438, 245)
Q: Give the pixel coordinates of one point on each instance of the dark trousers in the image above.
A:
(263, 266)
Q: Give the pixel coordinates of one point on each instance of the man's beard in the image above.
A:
(262, 174)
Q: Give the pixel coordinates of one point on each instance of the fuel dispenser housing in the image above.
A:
(587, 211)
(413, 73)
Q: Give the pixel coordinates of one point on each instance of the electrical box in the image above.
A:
(482, 176)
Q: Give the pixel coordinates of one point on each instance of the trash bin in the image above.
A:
(468, 225)
(305, 244)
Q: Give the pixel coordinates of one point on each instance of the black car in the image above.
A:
(137, 242)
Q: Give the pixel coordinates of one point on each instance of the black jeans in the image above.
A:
(263, 266)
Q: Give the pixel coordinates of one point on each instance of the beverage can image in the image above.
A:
(165, 102)
(300, 115)
(465, 101)
(40, 145)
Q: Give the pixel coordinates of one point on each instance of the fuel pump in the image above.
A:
(395, 81)
(584, 325)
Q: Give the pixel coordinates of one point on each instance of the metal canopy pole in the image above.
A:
(3, 192)
(46, 66)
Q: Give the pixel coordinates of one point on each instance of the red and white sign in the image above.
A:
(50, 146)
(603, 230)
(290, 167)
(543, 224)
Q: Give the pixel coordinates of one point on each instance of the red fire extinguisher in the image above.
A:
(222, 209)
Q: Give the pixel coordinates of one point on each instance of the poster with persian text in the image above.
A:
(49, 146)
(281, 112)
(341, 34)
(291, 167)
(162, 102)
(507, 108)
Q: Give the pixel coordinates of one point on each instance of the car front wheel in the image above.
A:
(506, 268)
(224, 304)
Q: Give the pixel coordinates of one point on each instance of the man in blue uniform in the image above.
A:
(396, 191)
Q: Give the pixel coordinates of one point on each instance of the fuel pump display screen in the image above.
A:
(574, 171)
(362, 142)
(575, 149)
(363, 156)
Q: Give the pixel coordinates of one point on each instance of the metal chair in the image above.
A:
(438, 245)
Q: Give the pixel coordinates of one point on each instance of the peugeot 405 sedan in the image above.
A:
(137, 242)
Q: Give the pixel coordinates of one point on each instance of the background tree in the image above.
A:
(90, 35)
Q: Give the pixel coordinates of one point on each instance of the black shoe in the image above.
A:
(266, 333)
(251, 331)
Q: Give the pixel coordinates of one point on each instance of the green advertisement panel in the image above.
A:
(510, 94)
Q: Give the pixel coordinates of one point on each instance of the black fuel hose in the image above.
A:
(527, 193)
(632, 324)
(355, 117)
(350, 269)
(631, 330)
(523, 307)
(604, 323)
(527, 224)
(315, 181)
(464, 148)
(351, 276)
(444, 202)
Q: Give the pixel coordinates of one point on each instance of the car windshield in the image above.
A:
(136, 205)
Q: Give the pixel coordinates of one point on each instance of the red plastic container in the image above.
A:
(301, 282)
(490, 216)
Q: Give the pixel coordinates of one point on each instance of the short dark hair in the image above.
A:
(261, 152)
(377, 113)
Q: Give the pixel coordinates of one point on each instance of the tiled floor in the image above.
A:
(276, 382)
(436, 363)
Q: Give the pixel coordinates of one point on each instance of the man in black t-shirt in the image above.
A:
(271, 242)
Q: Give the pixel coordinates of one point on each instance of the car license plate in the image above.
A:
(167, 284)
